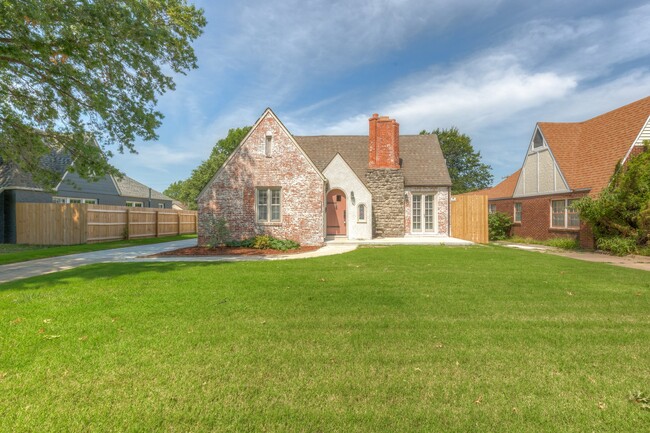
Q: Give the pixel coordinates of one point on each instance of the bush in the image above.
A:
(217, 231)
(617, 245)
(265, 242)
(564, 243)
(499, 225)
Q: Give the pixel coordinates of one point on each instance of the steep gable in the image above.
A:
(587, 152)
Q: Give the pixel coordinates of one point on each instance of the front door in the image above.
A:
(336, 213)
(423, 213)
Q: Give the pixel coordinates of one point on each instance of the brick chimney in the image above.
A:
(383, 142)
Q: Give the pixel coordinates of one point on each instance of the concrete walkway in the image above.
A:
(406, 240)
(633, 262)
(32, 268)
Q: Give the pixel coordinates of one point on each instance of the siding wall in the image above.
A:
(540, 175)
(645, 134)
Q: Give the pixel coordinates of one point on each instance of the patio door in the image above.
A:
(423, 213)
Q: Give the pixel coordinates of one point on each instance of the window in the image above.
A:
(161, 205)
(563, 215)
(517, 218)
(267, 145)
(492, 208)
(268, 204)
(74, 200)
(423, 213)
(134, 204)
(361, 213)
(538, 140)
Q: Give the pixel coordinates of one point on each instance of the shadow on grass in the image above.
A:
(98, 271)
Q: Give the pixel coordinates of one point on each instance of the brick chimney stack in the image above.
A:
(383, 142)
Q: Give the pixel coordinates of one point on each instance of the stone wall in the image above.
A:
(387, 189)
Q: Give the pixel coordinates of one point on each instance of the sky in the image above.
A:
(492, 68)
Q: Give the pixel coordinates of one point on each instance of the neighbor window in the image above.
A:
(161, 205)
(517, 218)
(74, 200)
(361, 213)
(134, 204)
(563, 215)
(538, 141)
(492, 208)
(268, 204)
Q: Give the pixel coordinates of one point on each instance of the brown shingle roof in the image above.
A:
(423, 162)
(587, 152)
(504, 189)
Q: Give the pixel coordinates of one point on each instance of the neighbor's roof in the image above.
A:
(128, 187)
(11, 176)
(587, 152)
(422, 161)
(504, 189)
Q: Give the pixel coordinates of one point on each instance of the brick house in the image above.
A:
(310, 188)
(564, 162)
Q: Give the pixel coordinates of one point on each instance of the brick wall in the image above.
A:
(536, 219)
(231, 194)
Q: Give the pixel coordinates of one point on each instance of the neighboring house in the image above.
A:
(564, 162)
(17, 186)
(308, 188)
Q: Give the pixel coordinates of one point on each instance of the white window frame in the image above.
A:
(492, 208)
(74, 200)
(161, 205)
(268, 218)
(130, 203)
(365, 213)
(515, 212)
(565, 214)
(422, 217)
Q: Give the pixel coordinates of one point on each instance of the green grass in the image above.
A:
(395, 339)
(563, 243)
(11, 253)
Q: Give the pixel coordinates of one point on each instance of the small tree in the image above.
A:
(622, 210)
(217, 231)
(499, 225)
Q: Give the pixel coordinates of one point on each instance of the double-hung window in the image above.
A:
(517, 218)
(268, 201)
(563, 215)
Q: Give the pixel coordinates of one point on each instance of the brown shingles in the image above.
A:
(505, 189)
(423, 162)
(587, 152)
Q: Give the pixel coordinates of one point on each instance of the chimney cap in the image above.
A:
(375, 115)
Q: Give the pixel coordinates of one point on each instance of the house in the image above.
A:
(16, 186)
(564, 162)
(310, 188)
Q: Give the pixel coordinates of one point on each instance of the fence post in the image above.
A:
(128, 223)
(178, 214)
(157, 212)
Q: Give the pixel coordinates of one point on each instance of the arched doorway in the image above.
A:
(336, 213)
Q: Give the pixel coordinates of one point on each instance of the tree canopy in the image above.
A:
(188, 190)
(73, 69)
(466, 170)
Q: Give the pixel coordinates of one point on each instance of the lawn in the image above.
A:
(11, 253)
(395, 339)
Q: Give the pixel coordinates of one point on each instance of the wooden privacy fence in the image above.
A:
(68, 224)
(469, 218)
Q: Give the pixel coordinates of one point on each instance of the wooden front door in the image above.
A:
(336, 213)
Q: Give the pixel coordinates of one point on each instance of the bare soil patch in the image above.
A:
(229, 251)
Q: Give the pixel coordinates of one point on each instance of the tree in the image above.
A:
(72, 69)
(467, 171)
(620, 215)
(188, 190)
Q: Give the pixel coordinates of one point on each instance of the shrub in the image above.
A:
(217, 231)
(262, 242)
(499, 225)
(564, 243)
(617, 245)
(265, 242)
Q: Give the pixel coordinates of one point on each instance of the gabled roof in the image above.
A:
(422, 161)
(587, 152)
(12, 177)
(58, 161)
(504, 189)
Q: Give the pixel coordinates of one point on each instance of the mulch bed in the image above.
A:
(228, 251)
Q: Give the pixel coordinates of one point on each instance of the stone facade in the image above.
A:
(387, 189)
(255, 164)
(536, 218)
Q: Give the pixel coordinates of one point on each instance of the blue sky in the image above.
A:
(492, 68)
